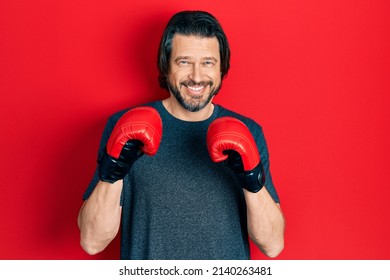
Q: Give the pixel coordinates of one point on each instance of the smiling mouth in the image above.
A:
(196, 89)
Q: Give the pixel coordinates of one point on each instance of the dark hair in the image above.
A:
(188, 23)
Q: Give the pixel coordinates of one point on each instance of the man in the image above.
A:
(184, 177)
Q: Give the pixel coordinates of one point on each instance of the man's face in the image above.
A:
(195, 71)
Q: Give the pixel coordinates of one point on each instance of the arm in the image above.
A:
(137, 132)
(99, 217)
(265, 222)
(230, 140)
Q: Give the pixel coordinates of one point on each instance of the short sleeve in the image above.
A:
(103, 141)
(258, 135)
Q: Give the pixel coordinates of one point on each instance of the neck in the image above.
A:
(176, 110)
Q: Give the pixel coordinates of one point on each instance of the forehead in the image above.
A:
(194, 46)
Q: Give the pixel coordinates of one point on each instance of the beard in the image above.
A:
(195, 103)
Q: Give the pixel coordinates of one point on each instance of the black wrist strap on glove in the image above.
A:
(112, 169)
(252, 180)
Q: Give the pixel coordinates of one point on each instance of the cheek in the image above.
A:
(172, 79)
(217, 79)
(177, 76)
(214, 75)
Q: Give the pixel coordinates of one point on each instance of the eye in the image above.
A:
(208, 63)
(183, 62)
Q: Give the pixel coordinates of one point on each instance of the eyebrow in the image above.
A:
(189, 58)
(182, 57)
(210, 58)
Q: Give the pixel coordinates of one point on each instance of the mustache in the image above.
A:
(190, 83)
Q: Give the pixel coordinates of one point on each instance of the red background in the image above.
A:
(315, 74)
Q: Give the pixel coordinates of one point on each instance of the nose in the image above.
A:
(195, 74)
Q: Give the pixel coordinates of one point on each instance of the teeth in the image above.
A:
(196, 88)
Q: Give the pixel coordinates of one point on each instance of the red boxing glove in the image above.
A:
(230, 140)
(137, 132)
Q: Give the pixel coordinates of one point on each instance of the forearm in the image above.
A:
(99, 217)
(265, 222)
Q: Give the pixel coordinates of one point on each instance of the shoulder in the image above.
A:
(116, 116)
(253, 126)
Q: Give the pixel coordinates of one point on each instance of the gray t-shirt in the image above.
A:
(179, 204)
